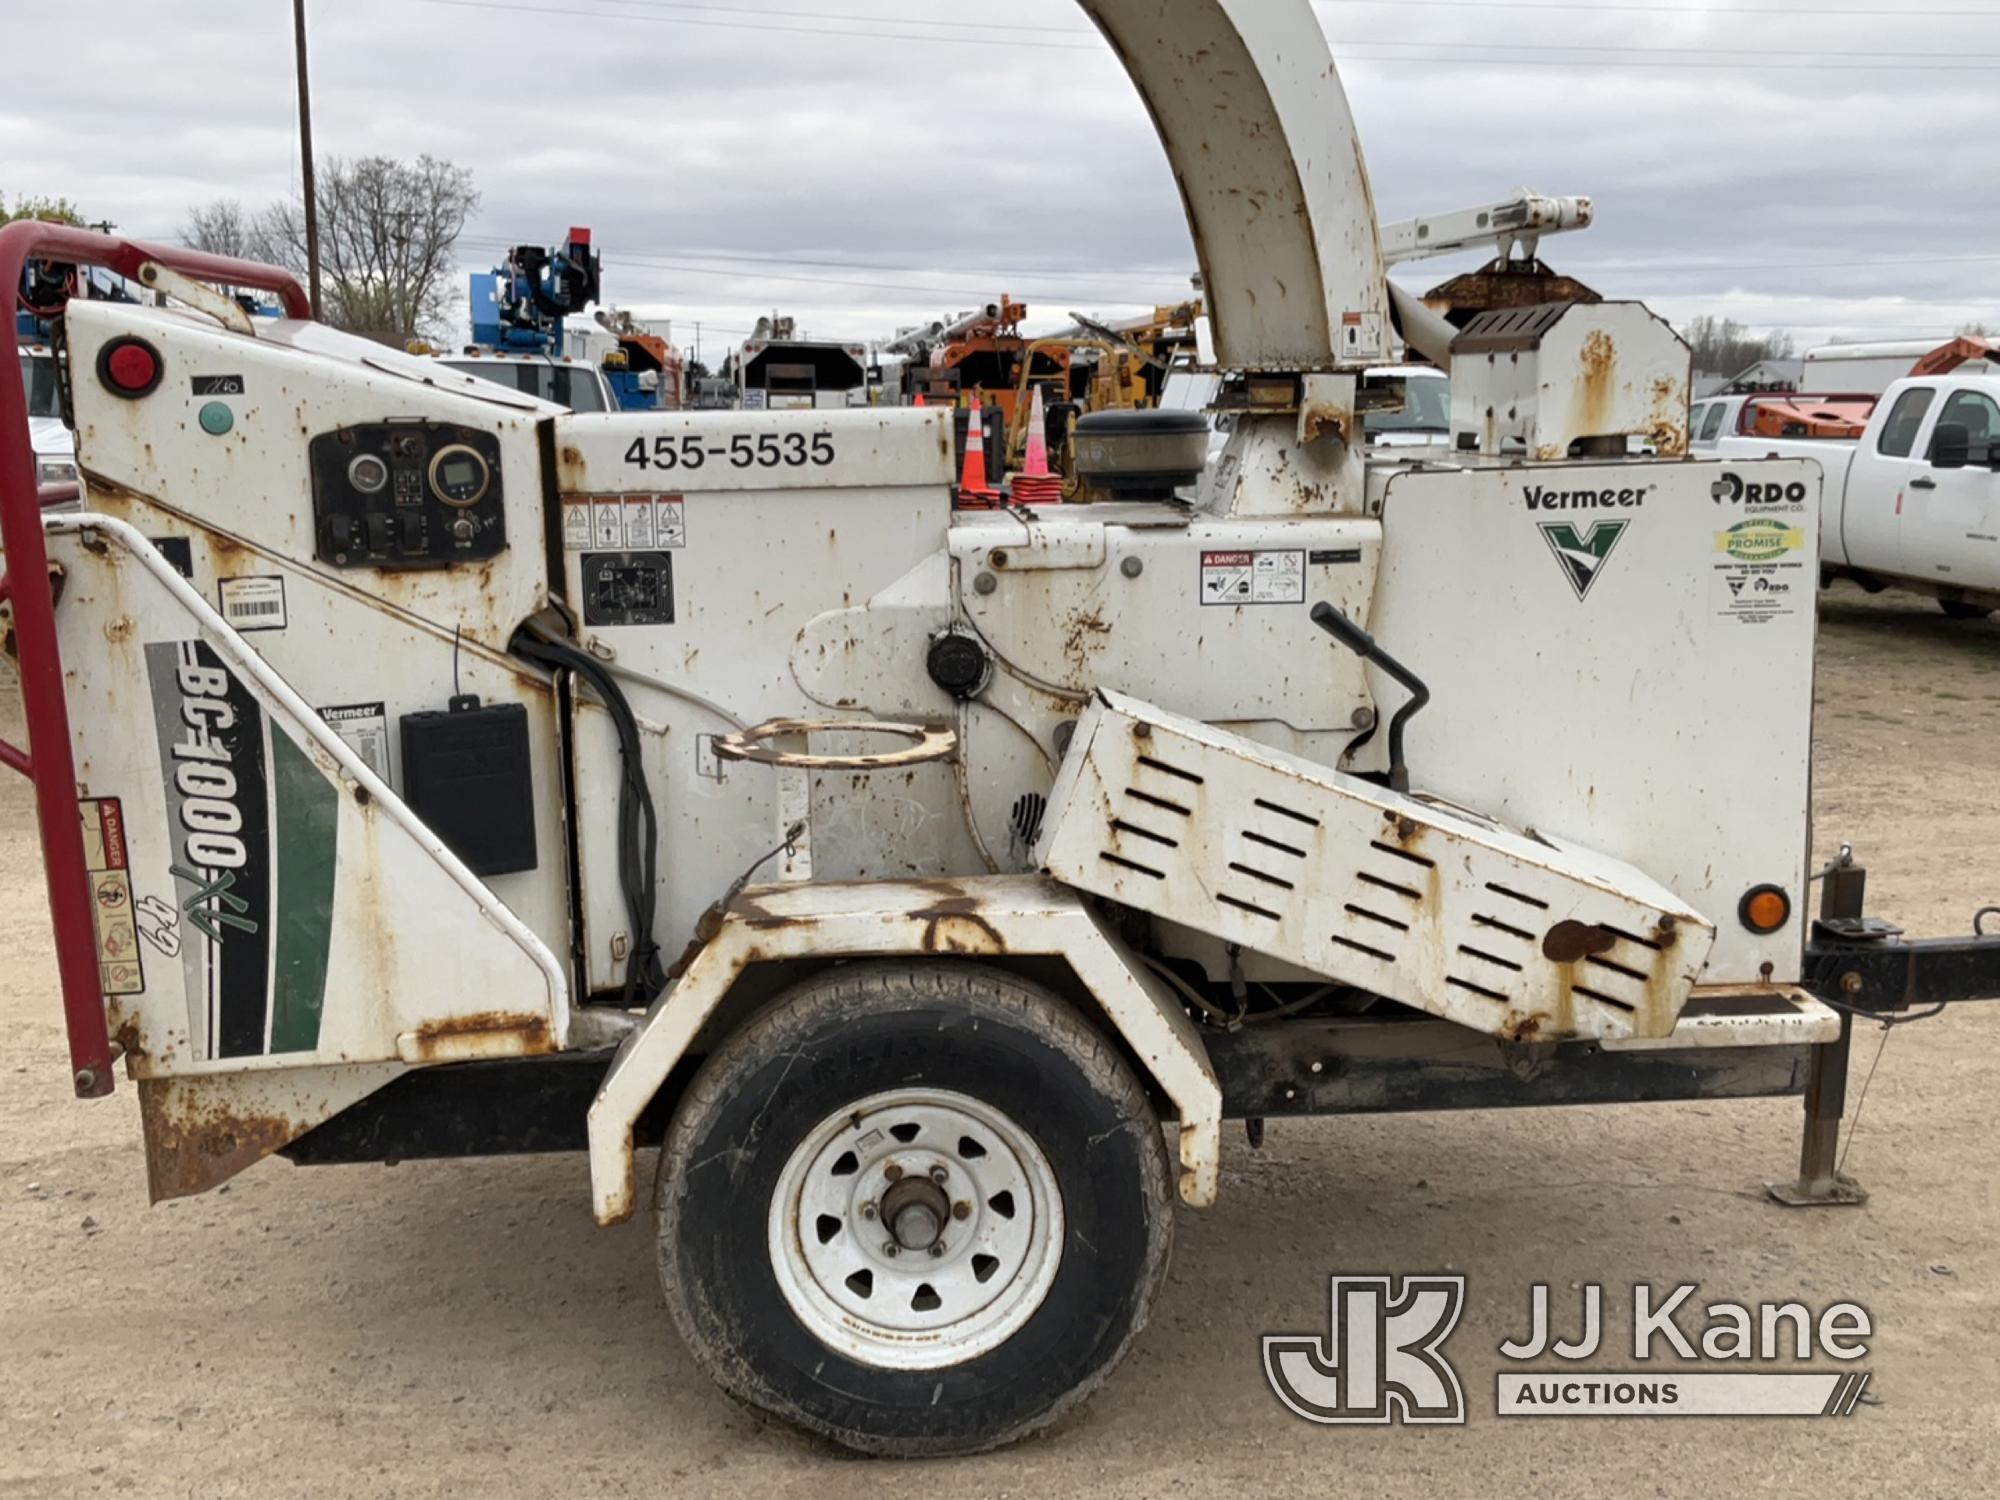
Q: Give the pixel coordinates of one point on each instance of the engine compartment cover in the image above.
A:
(1517, 935)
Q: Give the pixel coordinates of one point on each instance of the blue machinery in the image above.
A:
(519, 307)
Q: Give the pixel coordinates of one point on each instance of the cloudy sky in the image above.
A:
(1830, 167)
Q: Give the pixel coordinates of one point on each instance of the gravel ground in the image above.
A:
(443, 1329)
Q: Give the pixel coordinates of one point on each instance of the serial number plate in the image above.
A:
(770, 450)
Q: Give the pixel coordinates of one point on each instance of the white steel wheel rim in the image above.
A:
(933, 1302)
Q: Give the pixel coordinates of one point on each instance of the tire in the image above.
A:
(833, 1075)
(1958, 609)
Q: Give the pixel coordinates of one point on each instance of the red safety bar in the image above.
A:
(48, 761)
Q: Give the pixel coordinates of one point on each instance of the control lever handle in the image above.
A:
(1336, 624)
(1344, 630)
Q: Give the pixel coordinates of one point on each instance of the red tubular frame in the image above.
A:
(49, 761)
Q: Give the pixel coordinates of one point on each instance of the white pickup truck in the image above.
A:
(1915, 500)
(55, 448)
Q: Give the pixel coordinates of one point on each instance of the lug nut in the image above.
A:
(937, 1249)
(867, 1210)
(891, 1248)
(961, 1210)
(893, 1172)
(938, 1174)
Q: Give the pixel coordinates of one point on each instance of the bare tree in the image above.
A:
(1723, 346)
(387, 229)
(222, 228)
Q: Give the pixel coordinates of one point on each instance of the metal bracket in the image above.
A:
(928, 743)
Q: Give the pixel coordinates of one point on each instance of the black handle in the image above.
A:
(1362, 644)
(1921, 483)
(1344, 630)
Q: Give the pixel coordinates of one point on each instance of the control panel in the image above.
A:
(407, 495)
(628, 588)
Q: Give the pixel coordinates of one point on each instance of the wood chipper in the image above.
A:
(424, 771)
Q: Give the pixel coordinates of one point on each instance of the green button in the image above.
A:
(217, 418)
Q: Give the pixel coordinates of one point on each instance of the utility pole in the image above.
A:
(306, 158)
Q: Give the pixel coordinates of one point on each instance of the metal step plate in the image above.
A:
(1517, 935)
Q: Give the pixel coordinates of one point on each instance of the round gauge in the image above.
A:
(367, 473)
(460, 476)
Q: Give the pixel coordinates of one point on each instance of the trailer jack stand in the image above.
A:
(1843, 897)
(1820, 1183)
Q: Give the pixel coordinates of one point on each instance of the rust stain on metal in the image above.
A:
(1570, 942)
(1085, 635)
(500, 1032)
(1596, 389)
(954, 924)
(187, 1154)
(1519, 1026)
(1318, 419)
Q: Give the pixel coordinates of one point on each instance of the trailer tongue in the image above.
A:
(423, 770)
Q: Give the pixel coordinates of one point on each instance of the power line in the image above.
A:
(1145, 273)
(1794, 62)
(1127, 281)
(1758, 52)
(756, 26)
(820, 15)
(1071, 273)
(1813, 12)
(1655, 268)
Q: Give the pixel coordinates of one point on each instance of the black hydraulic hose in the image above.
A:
(1365, 646)
(638, 822)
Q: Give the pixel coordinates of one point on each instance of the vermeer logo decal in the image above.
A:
(1582, 550)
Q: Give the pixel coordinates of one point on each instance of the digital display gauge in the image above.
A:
(460, 476)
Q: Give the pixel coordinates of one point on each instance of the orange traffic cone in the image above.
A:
(1035, 485)
(974, 493)
(920, 400)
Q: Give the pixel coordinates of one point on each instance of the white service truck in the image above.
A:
(1913, 502)
(54, 446)
(423, 770)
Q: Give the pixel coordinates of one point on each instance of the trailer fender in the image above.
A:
(983, 917)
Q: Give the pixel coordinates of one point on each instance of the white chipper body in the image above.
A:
(457, 774)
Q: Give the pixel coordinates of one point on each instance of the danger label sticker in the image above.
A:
(625, 523)
(1253, 578)
(104, 856)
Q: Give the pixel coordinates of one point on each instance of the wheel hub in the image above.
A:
(916, 1229)
(916, 1211)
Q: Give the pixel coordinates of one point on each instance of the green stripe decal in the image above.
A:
(308, 810)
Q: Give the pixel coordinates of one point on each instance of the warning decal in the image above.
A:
(624, 523)
(669, 521)
(365, 728)
(1253, 578)
(111, 896)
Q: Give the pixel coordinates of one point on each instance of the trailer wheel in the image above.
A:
(917, 1208)
(1958, 609)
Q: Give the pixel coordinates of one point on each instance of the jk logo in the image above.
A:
(1381, 1361)
(1583, 554)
